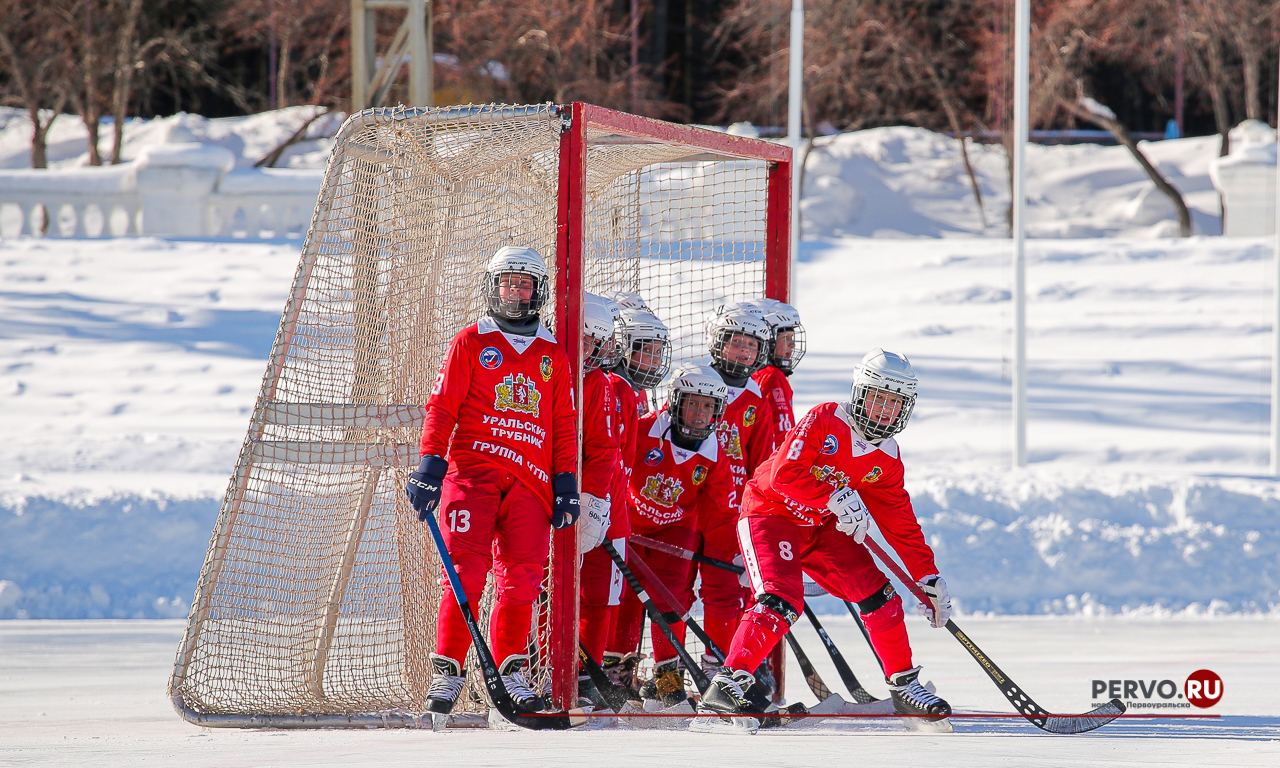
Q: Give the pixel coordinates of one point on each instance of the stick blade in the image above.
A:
(1094, 718)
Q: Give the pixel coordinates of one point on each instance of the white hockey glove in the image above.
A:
(851, 514)
(594, 523)
(939, 609)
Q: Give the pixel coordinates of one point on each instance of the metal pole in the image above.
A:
(1275, 321)
(1021, 77)
(420, 85)
(360, 70)
(795, 97)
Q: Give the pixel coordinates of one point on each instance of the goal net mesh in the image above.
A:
(320, 589)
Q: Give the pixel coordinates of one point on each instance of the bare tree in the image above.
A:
(35, 63)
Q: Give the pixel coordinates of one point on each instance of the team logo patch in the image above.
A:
(654, 457)
(749, 416)
(830, 445)
(491, 358)
(662, 490)
(873, 475)
(517, 394)
(730, 440)
(699, 474)
(829, 474)
(545, 368)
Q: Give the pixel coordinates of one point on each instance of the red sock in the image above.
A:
(889, 636)
(759, 630)
(452, 637)
(593, 630)
(662, 648)
(626, 626)
(509, 630)
(720, 628)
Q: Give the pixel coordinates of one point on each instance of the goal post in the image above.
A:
(316, 604)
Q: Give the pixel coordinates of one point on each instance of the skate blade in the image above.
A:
(439, 722)
(882, 707)
(664, 723)
(600, 718)
(920, 725)
(732, 725)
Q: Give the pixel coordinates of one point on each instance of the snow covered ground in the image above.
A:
(93, 694)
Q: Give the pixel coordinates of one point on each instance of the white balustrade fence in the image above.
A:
(185, 190)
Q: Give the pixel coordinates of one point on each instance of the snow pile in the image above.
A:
(128, 370)
(896, 182)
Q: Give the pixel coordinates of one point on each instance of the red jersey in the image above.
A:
(777, 390)
(625, 424)
(510, 399)
(824, 452)
(599, 440)
(746, 438)
(669, 483)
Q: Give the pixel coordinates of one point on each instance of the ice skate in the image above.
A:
(723, 705)
(512, 671)
(446, 686)
(667, 685)
(621, 671)
(924, 710)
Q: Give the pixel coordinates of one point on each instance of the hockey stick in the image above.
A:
(856, 689)
(1033, 712)
(700, 680)
(811, 676)
(498, 694)
(613, 695)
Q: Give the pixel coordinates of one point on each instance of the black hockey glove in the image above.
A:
(424, 485)
(564, 510)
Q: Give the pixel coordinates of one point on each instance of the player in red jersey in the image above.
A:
(786, 347)
(644, 359)
(602, 434)
(807, 511)
(738, 342)
(502, 411)
(678, 468)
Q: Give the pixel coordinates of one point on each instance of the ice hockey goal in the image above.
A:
(316, 603)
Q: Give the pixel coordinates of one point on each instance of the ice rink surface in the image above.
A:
(92, 693)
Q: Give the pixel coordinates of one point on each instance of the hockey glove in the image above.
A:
(594, 524)
(851, 513)
(939, 609)
(564, 510)
(424, 486)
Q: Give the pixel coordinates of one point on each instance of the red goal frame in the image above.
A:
(570, 234)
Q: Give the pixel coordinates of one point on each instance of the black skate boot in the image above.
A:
(667, 685)
(446, 684)
(913, 699)
(589, 695)
(727, 696)
(512, 671)
(621, 671)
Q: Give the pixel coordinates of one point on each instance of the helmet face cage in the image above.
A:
(600, 352)
(721, 338)
(646, 377)
(675, 406)
(514, 309)
(788, 364)
(867, 398)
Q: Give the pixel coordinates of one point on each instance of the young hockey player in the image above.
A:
(678, 468)
(807, 511)
(602, 434)
(507, 389)
(786, 347)
(644, 359)
(738, 342)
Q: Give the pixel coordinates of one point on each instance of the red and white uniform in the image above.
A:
(745, 433)
(777, 390)
(786, 529)
(669, 487)
(601, 468)
(502, 411)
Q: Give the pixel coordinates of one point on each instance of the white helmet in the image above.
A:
(783, 318)
(629, 300)
(695, 379)
(518, 260)
(737, 320)
(645, 348)
(882, 377)
(600, 345)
